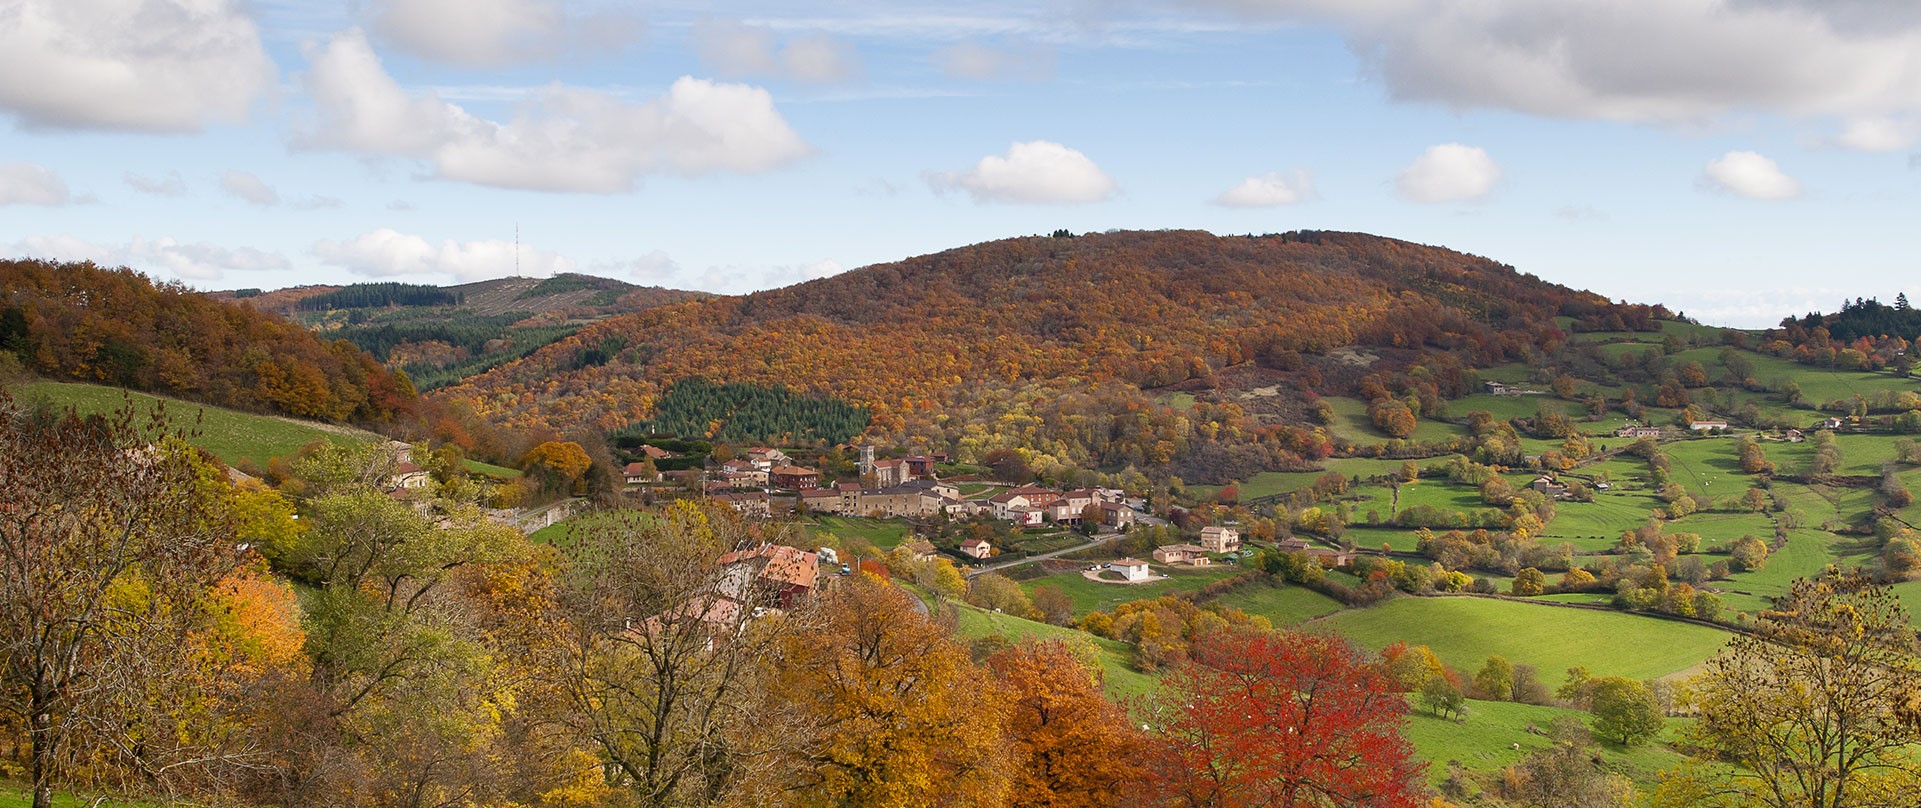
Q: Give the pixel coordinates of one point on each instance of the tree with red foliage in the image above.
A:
(1276, 718)
(1228, 495)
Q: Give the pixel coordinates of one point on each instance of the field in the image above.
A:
(1121, 678)
(1806, 553)
(229, 435)
(1465, 631)
(1352, 423)
(1486, 739)
(1282, 605)
(885, 534)
(1091, 596)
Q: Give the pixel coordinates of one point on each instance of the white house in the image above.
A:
(1132, 569)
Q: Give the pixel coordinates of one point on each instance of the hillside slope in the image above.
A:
(115, 326)
(441, 335)
(1010, 329)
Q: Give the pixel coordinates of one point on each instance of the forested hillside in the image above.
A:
(1052, 344)
(441, 335)
(83, 322)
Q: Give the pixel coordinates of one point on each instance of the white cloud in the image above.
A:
(480, 33)
(155, 65)
(1741, 306)
(822, 269)
(731, 48)
(1015, 60)
(1751, 175)
(386, 253)
(1269, 190)
(820, 59)
(31, 184)
(63, 248)
(201, 260)
(1671, 61)
(1877, 134)
(192, 261)
(561, 139)
(1037, 171)
(250, 188)
(170, 185)
(735, 49)
(1449, 172)
(656, 268)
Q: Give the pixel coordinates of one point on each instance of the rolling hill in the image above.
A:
(86, 323)
(1057, 344)
(441, 335)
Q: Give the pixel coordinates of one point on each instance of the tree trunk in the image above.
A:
(40, 736)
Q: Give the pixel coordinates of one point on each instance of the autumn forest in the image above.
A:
(1108, 519)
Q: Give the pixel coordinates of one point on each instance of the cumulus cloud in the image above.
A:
(1751, 175)
(1269, 190)
(170, 185)
(1757, 307)
(1877, 134)
(655, 268)
(246, 186)
(1038, 171)
(386, 253)
(1669, 61)
(1013, 60)
(561, 139)
(154, 65)
(1449, 172)
(189, 260)
(31, 184)
(482, 33)
(735, 49)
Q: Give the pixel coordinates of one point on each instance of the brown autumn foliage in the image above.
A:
(983, 329)
(116, 326)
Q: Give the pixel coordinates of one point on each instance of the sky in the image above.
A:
(1737, 160)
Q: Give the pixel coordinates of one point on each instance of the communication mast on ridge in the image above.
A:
(516, 249)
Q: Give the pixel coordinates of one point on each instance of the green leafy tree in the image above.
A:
(1625, 711)
(1495, 680)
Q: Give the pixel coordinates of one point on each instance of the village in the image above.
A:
(767, 483)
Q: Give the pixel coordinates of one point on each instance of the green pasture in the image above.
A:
(1597, 525)
(885, 534)
(1115, 657)
(1465, 631)
(1282, 605)
(1804, 556)
(229, 435)
(1089, 596)
(1371, 538)
(1486, 738)
(1718, 528)
(1351, 423)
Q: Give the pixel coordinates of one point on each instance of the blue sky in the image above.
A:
(1738, 159)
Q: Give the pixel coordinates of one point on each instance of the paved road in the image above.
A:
(1098, 540)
